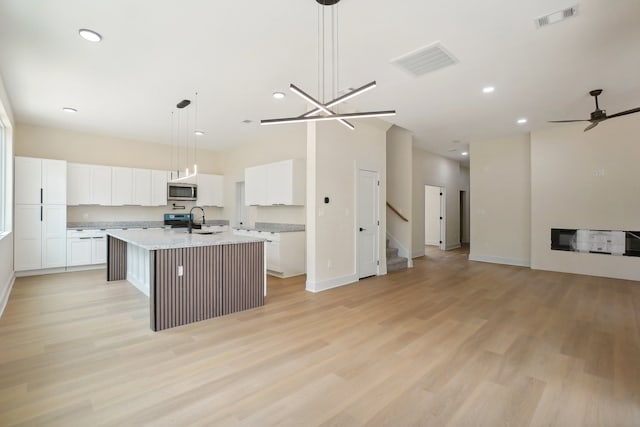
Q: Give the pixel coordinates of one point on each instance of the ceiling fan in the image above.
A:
(598, 115)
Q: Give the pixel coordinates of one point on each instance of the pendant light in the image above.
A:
(176, 175)
(322, 111)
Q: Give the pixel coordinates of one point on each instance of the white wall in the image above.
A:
(585, 180)
(334, 155)
(399, 184)
(7, 276)
(501, 201)
(432, 169)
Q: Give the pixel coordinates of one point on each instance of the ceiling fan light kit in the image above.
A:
(320, 107)
(598, 115)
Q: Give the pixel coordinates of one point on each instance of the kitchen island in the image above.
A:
(189, 277)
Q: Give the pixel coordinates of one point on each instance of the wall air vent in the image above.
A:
(425, 60)
(554, 17)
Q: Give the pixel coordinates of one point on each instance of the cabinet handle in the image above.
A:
(100, 237)
(84, 238)
(40, 213)
(41, 195)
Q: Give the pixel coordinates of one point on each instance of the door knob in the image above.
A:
(363, 229)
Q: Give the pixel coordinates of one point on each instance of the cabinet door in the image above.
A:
(54, 182)
(159, 188)
(101, 185)
(279, 183)
(28, 180)
(79, 251)
(273, 256)
(54, 236)
(121, 186)
(255, 185)
(78, 184)
(142, 187)
(99, 250)
(28, 237)
(210, 190)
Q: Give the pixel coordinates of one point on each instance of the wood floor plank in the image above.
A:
(447, 343)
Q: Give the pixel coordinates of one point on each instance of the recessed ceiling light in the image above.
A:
(198, 132)
(69, 110)
(488, 89)
(464, 153)
(89, 35)
(278, 95)
(522, 121)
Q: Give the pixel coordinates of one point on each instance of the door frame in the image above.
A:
(359, 168)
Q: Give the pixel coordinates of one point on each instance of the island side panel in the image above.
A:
(187, 286)
(243, 273)
(116, 259)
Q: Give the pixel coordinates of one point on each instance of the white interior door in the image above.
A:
(367, 225)
(432, 214)
(241, 207)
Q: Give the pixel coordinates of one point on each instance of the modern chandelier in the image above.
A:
(178, 175)
(322, 111)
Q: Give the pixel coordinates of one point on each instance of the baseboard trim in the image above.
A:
(336, 282)
(500, 260)
(73, 268)
(39, 272)
(4, 300)
(454, 246)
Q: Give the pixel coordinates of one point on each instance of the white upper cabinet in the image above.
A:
(210, 190)
(159, 181)
(78, 184)
(141, 187)
(88, 185)
(121, 186)
(54, 182)
(255, 186)
(101, 185)
(40, 181)
(280, 183)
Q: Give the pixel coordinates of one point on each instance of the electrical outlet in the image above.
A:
(180, 271)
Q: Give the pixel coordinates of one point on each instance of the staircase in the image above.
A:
(395, 262)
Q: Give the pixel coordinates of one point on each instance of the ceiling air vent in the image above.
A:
(558, 16)
(425, 60)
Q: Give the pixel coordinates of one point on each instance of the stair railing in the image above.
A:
(397, 213)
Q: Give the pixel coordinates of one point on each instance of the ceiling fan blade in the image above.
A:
(592, 125)
(567, 121)
(624, 113)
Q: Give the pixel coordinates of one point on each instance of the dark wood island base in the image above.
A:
(190, 284)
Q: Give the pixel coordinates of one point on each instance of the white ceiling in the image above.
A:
(236, 53)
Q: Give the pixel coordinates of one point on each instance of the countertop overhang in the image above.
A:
(154, 239)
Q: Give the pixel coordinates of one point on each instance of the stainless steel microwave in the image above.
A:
(182, 191)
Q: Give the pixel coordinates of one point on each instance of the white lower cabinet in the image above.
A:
(285, 251)
(86, 247)
(40, 237)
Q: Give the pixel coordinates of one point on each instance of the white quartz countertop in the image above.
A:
(152, 239)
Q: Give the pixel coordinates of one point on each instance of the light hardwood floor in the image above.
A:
(447, 343)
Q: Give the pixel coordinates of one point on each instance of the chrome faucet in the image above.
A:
(191, 217)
